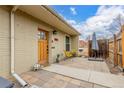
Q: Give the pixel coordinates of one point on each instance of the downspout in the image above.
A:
(16, 76)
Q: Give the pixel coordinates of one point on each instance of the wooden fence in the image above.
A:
(103, 49)
(112, 49)
(116, 49)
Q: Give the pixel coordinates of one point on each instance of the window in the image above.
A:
(42, 35)
(67, 41)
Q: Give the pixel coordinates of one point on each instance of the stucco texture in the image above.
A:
(26, 42)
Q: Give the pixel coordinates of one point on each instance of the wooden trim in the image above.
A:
(111, 41)
(88, 48)
(119, 38)
(122, 47)
(120, 53)
(115, 51)
(40, 29)
(47, 33)
(111, 51)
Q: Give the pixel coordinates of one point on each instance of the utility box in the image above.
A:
(4, 83)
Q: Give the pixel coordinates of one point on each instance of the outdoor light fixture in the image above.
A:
(54, 32)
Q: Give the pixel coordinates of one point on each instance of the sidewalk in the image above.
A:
(104, 79)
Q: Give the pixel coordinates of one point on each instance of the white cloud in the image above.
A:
(112, 10)
(75, 24)
(104, 23)
(73, 10)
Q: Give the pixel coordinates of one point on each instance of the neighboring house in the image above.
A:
(34, 34)
(82, 44)
(83, 48)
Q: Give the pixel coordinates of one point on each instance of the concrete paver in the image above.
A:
(60, 77)
(69, 71)
(106, 79)
(71, 85)
(98, 86)
(74, 73)
(103, 79)
(84, 63)
(56, 81)
(39, 83)
(85, 84)
(74, 81)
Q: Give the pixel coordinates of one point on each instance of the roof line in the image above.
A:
(59, 17)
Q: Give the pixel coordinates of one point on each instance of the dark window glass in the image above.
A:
(42, 35)
(67, 39)
(67, 43)
(67, 47)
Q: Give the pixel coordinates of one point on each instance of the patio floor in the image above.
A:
(101, 78)
(46, 79)
(84, 63)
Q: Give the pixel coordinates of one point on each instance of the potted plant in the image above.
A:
(73, 52)
(57, 58)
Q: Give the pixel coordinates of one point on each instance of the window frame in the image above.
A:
(69, 43)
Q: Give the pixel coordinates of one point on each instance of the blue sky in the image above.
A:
(92, 18)
(82, 12)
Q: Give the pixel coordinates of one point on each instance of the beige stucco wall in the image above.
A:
(26, 42)
(59, 46)
(4, 43)
(75, 42)
(26, 49)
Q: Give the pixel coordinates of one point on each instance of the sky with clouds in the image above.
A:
(104, 20)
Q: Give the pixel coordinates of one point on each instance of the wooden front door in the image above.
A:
(42, 47)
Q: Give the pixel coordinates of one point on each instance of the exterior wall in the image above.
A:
(4, 42)
(26, 42)
(26, 49)
(75, 42)
(58, 47)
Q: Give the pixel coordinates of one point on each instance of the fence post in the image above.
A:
(122, 47)
(115, 51)
(107, 47)
(88, 48)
